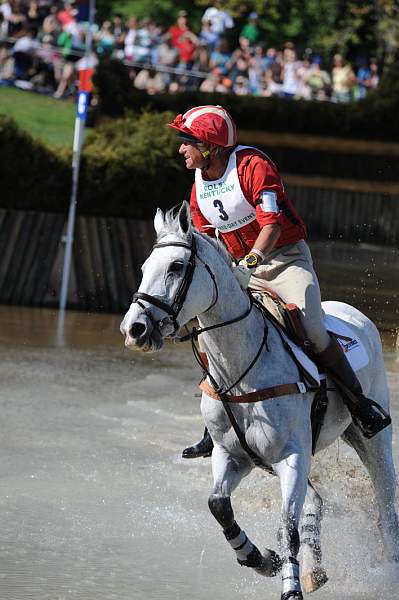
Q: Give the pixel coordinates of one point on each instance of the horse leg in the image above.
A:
(313, 576)
(293, 473)
(376, 455)
(227, 474)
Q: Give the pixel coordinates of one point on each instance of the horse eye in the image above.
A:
(175, 267)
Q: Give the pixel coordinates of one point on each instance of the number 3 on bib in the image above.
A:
(223, 215)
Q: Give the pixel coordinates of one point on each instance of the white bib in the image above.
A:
(222, 201)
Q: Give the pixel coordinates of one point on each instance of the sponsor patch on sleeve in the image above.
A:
(268, 201)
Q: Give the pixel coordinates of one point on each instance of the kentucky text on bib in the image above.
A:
(221, 201)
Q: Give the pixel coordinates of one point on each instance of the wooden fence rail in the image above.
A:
(109, 251)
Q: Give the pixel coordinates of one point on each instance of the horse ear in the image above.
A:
(159, 221)
(185, 218)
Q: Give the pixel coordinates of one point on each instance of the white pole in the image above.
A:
(77, 147)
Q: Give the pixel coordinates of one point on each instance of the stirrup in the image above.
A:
(371, 418)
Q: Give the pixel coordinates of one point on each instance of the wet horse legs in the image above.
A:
(293, 474)
(376, 455)
(313, 575)
(228, 473)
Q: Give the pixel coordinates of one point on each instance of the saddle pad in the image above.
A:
(354, 349)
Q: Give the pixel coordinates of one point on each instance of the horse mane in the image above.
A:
(219, 247)
(171, 225)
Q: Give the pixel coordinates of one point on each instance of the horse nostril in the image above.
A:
(137, 330)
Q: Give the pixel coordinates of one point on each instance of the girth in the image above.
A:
(284, 389)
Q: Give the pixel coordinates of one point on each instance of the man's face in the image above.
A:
(192, 155)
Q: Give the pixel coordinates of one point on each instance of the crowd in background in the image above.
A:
(42, 43)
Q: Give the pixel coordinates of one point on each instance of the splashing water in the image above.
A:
(96, 502)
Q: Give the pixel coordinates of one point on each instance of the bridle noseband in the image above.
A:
(174, 309)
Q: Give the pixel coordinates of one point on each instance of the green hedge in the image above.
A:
(31, 174)
(376, 117)
(129, 167)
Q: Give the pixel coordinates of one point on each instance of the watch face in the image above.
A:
(251, 260)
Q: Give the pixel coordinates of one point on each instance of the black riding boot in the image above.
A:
(366, 414)
(202, 448)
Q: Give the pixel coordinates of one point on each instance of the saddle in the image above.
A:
(285, 315)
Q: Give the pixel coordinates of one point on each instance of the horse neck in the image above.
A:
(230, 349)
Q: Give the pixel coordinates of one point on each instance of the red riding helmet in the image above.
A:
(209, 124)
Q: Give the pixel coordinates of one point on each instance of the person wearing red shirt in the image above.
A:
(239, 195)
(183, 39)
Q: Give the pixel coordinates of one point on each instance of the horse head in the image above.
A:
(176, 286)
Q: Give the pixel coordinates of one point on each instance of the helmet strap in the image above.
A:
(206, 153)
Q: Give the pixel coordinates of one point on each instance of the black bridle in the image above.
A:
(173, 310)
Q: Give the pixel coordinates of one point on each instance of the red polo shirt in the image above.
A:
(256, 174)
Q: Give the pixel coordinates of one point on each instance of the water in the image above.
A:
(96, 503)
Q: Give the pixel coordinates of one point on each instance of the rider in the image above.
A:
(238, 193)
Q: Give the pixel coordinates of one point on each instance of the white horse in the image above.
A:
(189, 275)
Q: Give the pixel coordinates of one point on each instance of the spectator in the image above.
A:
(105, 39)
(130, 38)
(3, 26)
(51, 25)
(33, 17)
(302, 73)
(274, 76)
(319, 81)
(184, 40)
(16, 19)
(258, 65)
(207, 37)
(67, 14)
(239, 68)
(366, 77)
(219, 19)
(201, 60)
(72, 42)
(221, 56)
(187, 46)
(290, 85)
(166, 55)
(150, 81)
(179, 28)
(143, 42)
(7, 69)
(5, 12)
(374, 77)
(23, 52)
(216, 82)
(241, 86)
(118, 30)
(251, 31)
(45, 64)
(343, 80)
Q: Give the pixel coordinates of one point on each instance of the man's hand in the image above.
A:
(246, 267)
(242, 274)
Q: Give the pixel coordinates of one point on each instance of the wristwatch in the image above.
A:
(252, 260)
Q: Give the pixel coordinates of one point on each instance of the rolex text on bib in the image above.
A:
(222, 201)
